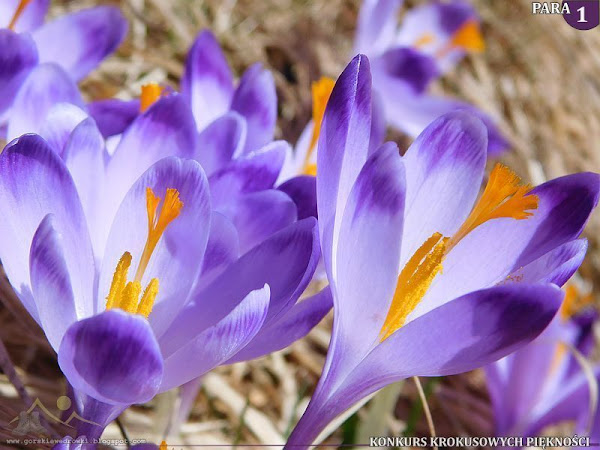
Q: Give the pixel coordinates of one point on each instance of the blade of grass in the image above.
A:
(423, 398)
(417, 408)
(382, 405)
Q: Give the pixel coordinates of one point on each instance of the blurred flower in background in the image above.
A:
(208, 87)
(551, 380)
(236, 127)
(35, 54)
(407, 58)
(240, 119)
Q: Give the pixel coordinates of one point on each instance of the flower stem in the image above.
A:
(425, 408)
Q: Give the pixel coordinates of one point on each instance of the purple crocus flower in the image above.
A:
(246, 207)
(241, 187)
(232, 121)
(32, 52)
(405, 60)
(207, 85)
(543, 383)
(303, 160)
(212, 290)
(235, 135)
(240, 118)
(388, 224)
(242, 178)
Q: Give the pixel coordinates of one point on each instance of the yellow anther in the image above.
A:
(321, 91)
(559, 354)
(163, 445)
(22, 5)
(171, 208)
(413, 282)
(425, 39)
(118, 282)
(516, 278)
(150, 94)
(131, 295)
(574, 302)
(503, 196)
(124, 295)
(310, 169)
(147, 301)
(467, 37)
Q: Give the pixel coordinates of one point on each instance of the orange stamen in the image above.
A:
(126, 295)
(574, 302)
(150, 95)
(171, 208)
(559, 353)
(413, 282)
(503, 196)
(468, 37)
(427, 38)
(119, 281)
(310, 169)
(22, 5)
(321, 91)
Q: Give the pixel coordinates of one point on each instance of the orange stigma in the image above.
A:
(503, 196)
(150, 94)
(574, 302)
(424, 40)
(158, 224)
(321, 91)
(468, 37)
(22, 5)
(310, 169)
(126, 295)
